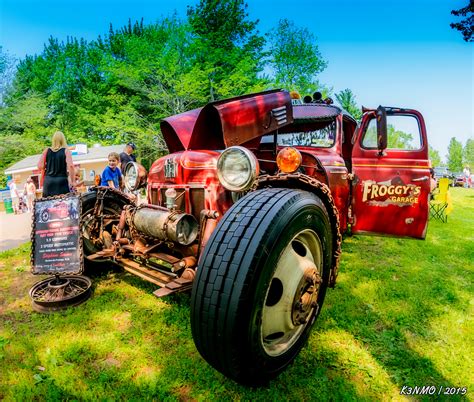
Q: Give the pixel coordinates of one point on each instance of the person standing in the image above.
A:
(14, 196)
(30, 191)
(56, 166)
(467, 176)
(112, 176)
(127, 155)
(433, 181)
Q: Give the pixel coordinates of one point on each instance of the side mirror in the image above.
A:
(381, 129)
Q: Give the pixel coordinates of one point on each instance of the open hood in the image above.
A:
(221, 124)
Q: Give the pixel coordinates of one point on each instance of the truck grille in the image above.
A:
(190, 201)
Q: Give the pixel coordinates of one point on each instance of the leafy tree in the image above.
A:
(28, 117)
(12, 149)
(347, 100)
(396, 139)
(294, 57)
(468, 153)
(227, 48)
(7, 65)
(109, 90)
(454, 155)
(434, 157)
(466, 25)
(118, 87)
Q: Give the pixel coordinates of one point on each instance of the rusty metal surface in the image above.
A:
(325, 193)
(157, 277)
(228, 122)
(114, 191)
(177, 129)
(182, 284)
(141, 252)
(166, 225)
(241, 119)
(58, 293)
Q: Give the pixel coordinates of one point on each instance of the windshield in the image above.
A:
(306, 135)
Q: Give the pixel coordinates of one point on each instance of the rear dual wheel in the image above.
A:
(261, 282)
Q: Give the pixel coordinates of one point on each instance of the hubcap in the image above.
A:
(293, 293)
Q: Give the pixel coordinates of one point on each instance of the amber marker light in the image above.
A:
(289, 160)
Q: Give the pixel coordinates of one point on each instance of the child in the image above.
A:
(80, 187)
(112, 176)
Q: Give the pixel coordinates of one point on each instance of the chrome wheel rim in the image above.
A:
(291, 299)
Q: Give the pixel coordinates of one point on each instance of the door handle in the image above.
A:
(424, 178)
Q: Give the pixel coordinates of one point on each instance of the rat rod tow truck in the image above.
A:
(248, 211)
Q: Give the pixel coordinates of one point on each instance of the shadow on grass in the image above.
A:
(382, 305)
(124, 343)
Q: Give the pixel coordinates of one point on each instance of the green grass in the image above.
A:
(401, 314)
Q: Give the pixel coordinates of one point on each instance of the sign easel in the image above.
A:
(57, 250)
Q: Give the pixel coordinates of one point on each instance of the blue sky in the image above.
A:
(394, 53)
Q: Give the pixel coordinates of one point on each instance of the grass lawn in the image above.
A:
(401, 315)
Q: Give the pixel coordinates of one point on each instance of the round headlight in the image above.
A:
(237, 168)
(131, 176)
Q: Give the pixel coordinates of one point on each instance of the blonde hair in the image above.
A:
(58, 141)
(114, 155)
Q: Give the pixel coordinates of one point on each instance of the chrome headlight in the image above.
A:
(237, 168)
(132, 176)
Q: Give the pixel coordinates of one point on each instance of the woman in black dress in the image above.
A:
(56, 165)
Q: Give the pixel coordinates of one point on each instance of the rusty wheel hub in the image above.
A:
(306, 297)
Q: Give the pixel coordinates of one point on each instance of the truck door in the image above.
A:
(391, 185)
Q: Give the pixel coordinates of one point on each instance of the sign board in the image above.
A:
(78, 149)
(56, 238)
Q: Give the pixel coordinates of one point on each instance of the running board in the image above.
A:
(178, 285)
(150, 275)
(168, 283)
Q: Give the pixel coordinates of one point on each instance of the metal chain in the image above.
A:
(334, 213)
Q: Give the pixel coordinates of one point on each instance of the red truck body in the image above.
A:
(248, 211)
(388, 194)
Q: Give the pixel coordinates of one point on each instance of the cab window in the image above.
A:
(403, 133)
(320, 134)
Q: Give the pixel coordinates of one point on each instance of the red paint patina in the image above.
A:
(392, 204)
(226, 123)
(391, 190)
(248, 210)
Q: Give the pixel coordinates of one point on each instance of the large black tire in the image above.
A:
(113, 205)
(261, 283)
